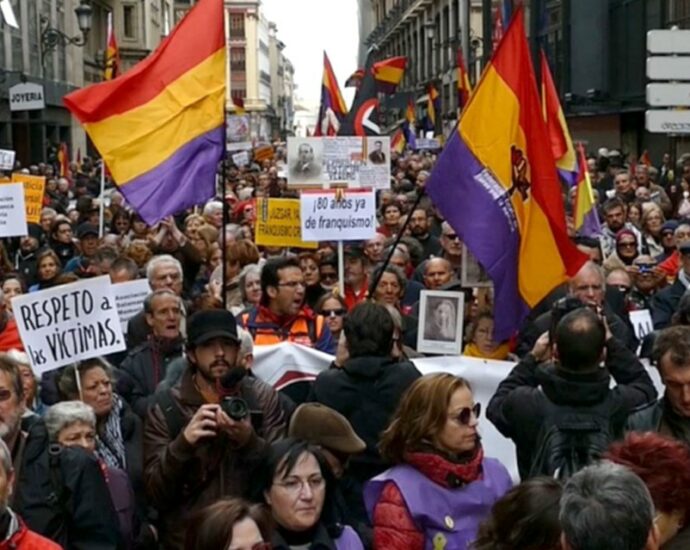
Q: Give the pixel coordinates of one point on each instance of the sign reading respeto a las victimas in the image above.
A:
(68, 323)
(326, 216)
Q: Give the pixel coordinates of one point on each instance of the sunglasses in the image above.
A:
(329, 276)
(465, 415)
(451, 236)
(627, 245)
(333, 312)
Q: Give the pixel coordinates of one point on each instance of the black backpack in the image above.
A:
(572, 438)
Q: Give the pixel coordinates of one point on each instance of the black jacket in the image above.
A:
(143, 369)
(532, 331)
(517, 408)
(366, 391)
(665, 304)
(63, 496)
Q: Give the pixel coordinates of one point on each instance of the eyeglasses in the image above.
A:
(296, 485)
(451, 236)
(333, 312)
(465, 415)
(5, 394)
(329, 276)
(293, 284)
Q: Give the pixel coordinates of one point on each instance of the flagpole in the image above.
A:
(101, 207)
(226, 216)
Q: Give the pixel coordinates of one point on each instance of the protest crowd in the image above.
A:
(182, 446)
(235, 356)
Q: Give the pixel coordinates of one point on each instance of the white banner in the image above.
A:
(7, 159)
(12, 210)
(129, 299)
(354, 162)
(67, 323)
(283, 364)
(324, 217)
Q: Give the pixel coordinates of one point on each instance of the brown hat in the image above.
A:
(323, 426)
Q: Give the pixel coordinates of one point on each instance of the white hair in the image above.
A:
(66, 413)
(211, 207)
(160, 260)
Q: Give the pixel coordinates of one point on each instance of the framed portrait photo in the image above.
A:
(441, 315)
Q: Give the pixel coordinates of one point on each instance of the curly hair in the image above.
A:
(663, 464)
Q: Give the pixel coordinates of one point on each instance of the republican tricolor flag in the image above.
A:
(333, 108)
(464, 86)
(409, 126)
(586, 218)
(496, 184)
(160, 127)
(112, 53)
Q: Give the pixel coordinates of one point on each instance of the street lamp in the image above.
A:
(52, 37)
(429, 27)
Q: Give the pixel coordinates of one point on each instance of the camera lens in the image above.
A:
(235, 407)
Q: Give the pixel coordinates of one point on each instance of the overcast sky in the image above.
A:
(307, 27)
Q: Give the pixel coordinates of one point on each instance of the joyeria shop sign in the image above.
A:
(27, 96)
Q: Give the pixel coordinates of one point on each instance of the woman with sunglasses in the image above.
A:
(332, 306)
(627, 249)
(230, 524)
(441, 486)
(296, 482)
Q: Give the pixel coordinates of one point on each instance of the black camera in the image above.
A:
(235, 407)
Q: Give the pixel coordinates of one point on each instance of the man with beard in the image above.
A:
(615, 212)
(420, 228)
(205, 435)
(55, 490)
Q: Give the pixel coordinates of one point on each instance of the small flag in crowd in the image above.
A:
(112, 53)
(160, 127)
(497, 186)
(238, 103)
(464, 86)
(433, 110)
(355, 79)
(389, 73)
(63, 160)
(585, 216)
(409, 126)
(559, 135)
(398, 141)
(332, 109)
(644, 158)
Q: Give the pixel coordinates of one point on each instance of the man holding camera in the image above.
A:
(205, 435)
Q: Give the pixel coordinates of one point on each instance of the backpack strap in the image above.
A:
(172, 413)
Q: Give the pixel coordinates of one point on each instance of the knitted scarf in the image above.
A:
(110, 445)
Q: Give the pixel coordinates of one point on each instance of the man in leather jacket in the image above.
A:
(670, 415)
(195, 450)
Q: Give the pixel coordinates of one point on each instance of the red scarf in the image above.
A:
(446, 472)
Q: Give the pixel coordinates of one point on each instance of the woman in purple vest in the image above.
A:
(441, 486)
(296, 482)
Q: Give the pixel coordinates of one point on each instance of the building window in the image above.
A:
(678, 13)
(237, 26)
(237, 60)
(238, 93)
(129, 21)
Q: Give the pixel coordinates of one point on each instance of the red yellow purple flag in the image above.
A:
(497, 186)
(559, 135)
(160, 127)
(332, 109)
(398, 141)
(112, 53)
(389, 73)
(464, 86)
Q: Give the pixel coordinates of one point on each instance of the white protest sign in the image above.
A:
(7, 159)
(324, 217)
(241, 159)
(67, 323)
(129, 299)
(428, 143)
(642, 322)
(12, 210)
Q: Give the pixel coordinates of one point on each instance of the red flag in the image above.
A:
(112, 53)
(63, 160)
(389, 73)
(644, 158)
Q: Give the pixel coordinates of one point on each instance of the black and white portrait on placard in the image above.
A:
(305, 161)
(440, 322)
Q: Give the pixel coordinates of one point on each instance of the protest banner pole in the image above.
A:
(101, 207)
(387, 261)
(341, 268)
